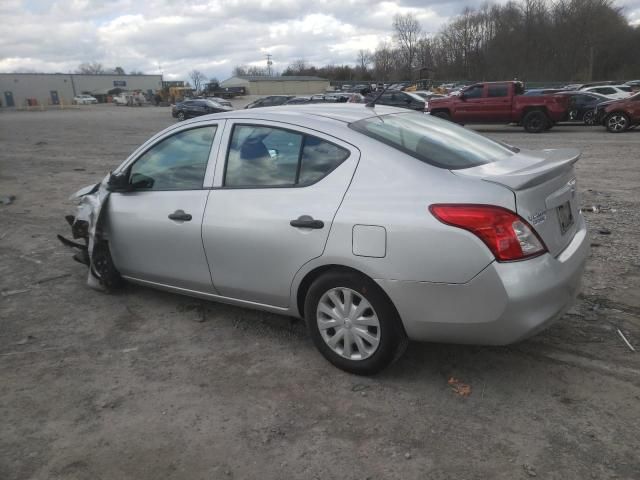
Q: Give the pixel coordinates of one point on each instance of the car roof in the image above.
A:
(336, 112)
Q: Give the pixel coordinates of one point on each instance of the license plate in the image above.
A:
(565, 217)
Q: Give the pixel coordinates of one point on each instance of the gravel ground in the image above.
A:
(148, 385)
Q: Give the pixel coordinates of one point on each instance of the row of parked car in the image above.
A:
(489, 102)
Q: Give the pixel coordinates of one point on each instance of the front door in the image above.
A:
(154, 230)
(8, 99)
(469, 108)
(270, 212)
(54, 97)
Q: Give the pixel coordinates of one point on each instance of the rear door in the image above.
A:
(497, 105)
(155, 229)
(276, 191)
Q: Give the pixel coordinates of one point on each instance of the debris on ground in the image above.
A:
(25, 340)
(529, 470)
(41, 142)
(407, 456)
(604, 231)
(7, 200)
(458, 387)
(49, 279)
(10, 293)
(624, 339)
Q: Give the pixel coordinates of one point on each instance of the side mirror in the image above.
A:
(119, 182)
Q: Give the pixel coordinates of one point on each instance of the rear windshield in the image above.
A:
(432, 140)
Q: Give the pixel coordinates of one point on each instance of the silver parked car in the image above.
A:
(376, 225)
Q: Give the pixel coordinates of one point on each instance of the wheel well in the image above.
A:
(317, 272)
(534, 109)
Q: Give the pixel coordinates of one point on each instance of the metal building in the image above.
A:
(284, 85)
(22, 89)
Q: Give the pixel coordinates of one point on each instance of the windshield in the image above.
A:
(432, 140)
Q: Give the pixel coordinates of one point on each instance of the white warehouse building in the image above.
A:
(22, 89)
(281, 85)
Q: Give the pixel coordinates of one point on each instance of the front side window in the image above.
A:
(442, 144)
(474, 92)
(498, 90)
(605, 91)
(176, 163)
(262, 156)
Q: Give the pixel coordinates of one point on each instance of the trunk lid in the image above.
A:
(544, 186)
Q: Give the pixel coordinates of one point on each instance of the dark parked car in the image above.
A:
(197, 107)
(619, 115)
(396, 98)
(270, 101)
(582, 105)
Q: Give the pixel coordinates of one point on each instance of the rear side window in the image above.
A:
(606, 91)
(498, 90)
(262, 156)
(431, 140)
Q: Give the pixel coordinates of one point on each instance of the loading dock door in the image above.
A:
(8, 99)
(54, 98)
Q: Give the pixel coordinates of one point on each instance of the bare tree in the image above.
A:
(93, 68)
(383, 61)
(197, 78)
(239, 71)
(364, 60)
(407, 34)
(119, 71)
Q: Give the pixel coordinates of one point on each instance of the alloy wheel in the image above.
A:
(348, 323)
(589, 118)
(617, 122)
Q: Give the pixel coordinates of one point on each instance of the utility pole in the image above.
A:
(269, 63)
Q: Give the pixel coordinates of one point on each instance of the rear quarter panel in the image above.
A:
(393, 190)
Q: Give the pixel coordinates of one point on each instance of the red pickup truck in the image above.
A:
(501, 102)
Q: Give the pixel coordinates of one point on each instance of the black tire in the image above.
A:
(617, 122)
(589, 118)
(550, 125)
(104, 268)
(392, 337)
(181, 116)
(442, 115)
(535, 121)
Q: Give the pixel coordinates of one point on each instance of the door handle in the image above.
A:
(180, 216)
(305, 221)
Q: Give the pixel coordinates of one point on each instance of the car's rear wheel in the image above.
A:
(535, 122)
(181, 116)
(589, 118)
(617, 122)
(442, 115)
(353, 323)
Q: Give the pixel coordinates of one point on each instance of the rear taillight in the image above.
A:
(508, 236)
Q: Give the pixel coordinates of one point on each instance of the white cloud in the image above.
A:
(210, 35)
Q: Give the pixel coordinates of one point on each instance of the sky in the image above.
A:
(173, 37)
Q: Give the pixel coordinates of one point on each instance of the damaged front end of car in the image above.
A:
(90, 239)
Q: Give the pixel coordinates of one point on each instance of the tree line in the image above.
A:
(532, 40)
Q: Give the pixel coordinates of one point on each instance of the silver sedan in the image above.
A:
(374, 224)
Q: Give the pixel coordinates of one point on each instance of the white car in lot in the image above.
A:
(84, 100)
(614, 92)
(121, 99)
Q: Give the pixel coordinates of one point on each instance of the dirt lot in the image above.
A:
(150, 385)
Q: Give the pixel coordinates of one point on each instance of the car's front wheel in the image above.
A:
(181, 116)
(353, 323)
(617, 122)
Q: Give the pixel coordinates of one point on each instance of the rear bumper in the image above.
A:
(505, 303)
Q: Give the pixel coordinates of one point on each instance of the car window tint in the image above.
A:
(319, 158)
(262, 156)
(606, 91)
(431, 140)
(474, 92)
(498, 90)
(176, 163)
